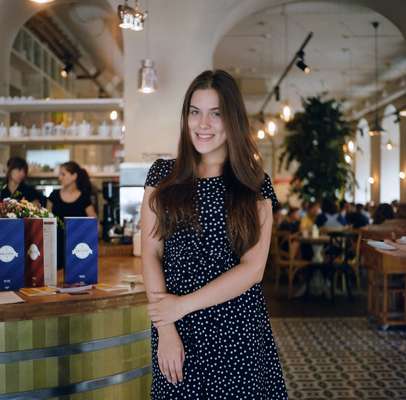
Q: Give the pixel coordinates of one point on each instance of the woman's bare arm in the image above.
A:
(151, 252)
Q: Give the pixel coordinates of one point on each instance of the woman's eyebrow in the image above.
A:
(197, 108)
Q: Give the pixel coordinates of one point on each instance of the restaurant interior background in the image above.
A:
(71, 89)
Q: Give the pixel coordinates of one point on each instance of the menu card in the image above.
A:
(9, 298)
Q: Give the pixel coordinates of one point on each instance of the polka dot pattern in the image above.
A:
(230, 351)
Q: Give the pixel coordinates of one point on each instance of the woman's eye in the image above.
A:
(216, 114)
(193, 112)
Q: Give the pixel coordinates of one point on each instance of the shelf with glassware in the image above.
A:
(54, 133)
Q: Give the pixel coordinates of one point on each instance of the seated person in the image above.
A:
(358, 219)
(308, 220)
(292, 221)
(15, 186)
(291, 224)
(383, 213)
(329, 218)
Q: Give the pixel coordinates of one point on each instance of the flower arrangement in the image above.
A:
(11, 208)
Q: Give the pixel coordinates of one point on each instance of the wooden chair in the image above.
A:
(355, 262)
(288, 260)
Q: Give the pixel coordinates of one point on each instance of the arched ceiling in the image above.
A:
(258, 47)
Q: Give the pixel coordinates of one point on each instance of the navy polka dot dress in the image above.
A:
(229, 349)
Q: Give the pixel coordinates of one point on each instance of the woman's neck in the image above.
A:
(211, 164)
(72, 188)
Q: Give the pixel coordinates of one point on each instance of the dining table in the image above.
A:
(326, 248)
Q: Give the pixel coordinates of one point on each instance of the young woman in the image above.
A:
(72, 200)
(206, 229)
(15, 186)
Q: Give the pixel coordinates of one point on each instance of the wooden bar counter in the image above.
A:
(87, 346)
(381, 265)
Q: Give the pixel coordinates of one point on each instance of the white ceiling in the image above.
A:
(341, 52)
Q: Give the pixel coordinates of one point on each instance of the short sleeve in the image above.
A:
(159, 170)
(267, 191)
(53, 196)
(86, 200)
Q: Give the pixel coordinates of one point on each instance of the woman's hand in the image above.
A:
(171, 353)
(167, 308)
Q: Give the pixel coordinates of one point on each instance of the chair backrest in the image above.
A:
(279, 238)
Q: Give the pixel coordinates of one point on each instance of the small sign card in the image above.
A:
(81, 250)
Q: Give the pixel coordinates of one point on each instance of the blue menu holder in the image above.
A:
(12, 254)
(81, 250)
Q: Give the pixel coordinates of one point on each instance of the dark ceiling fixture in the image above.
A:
(301, 62)
(376, 129)
(67, 69)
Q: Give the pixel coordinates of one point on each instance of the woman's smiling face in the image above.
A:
(205, 123)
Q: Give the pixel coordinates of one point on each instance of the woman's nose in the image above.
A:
(204, 121)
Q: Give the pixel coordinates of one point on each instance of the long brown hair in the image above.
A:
(175, 197)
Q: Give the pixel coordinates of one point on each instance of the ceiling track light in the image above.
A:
(66, 70)
(277, 93)
(131, 18)
(301, 62)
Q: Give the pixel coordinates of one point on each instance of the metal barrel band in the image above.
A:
(70, 349)
(79, 387)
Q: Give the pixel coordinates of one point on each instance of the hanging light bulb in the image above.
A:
(113, 115)
(348, 159)
(402, 113)
(272, 127)
(286, 114)
(147, 77)
(261, 134)
(351, 146)
(389, 145)
(371, 180)
(402, 175)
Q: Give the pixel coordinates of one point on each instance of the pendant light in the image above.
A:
(376, 128)
(131, 18)
(147, 76)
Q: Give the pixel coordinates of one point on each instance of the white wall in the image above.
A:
(363, 163)
(390, 159)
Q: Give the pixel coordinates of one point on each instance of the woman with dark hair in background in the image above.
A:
(382, 213)
(72, 200)
(15, 186)
(206, 230)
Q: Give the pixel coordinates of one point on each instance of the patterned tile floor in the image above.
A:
(341, 358)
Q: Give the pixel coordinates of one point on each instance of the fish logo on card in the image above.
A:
(33, 252)
(7, 254)
(82, 251)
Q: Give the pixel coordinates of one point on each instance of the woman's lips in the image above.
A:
(204, 137)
